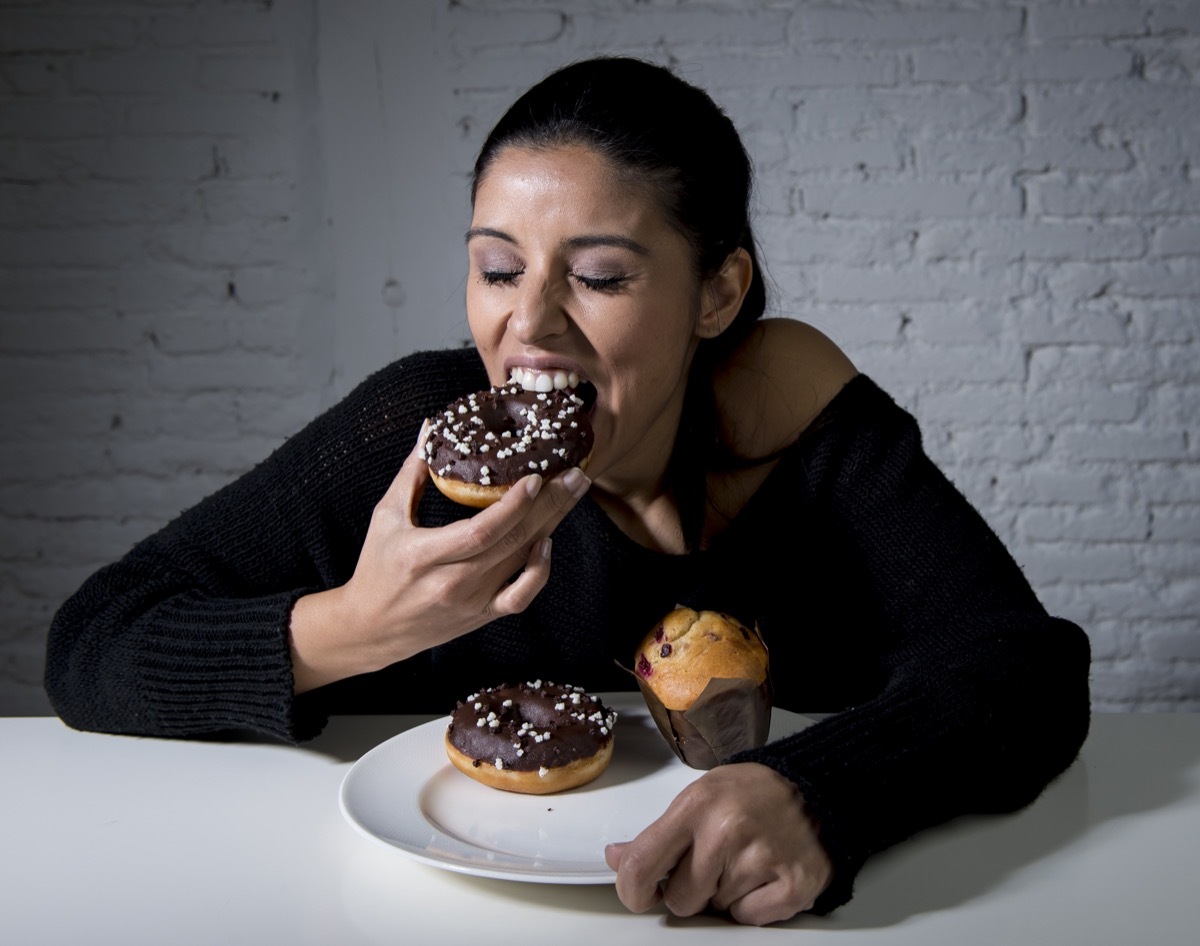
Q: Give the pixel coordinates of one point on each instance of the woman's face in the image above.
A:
(576, 276)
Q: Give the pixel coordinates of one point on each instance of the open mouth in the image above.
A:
(531, 379)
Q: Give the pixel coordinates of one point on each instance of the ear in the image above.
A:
(721, 296)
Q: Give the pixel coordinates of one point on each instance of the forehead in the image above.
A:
(564, 181)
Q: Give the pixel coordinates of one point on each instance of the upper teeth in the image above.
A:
(533, 380)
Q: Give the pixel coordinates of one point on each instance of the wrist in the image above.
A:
(321, 638)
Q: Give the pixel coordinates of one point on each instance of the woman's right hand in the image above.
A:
(415, 587)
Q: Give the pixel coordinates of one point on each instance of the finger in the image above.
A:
(769, 903)
(612, 854)
(404, 492)
(691, 884)
(750, 865)
(648, 858)
(504, 533)
(518, 595)
(552, 502)
(416, 486)
(496, 529)
(556, 498)
(569, 489)
(735, 883)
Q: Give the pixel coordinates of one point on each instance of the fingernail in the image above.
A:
(544, 550)
(533, 484)
(575, 481)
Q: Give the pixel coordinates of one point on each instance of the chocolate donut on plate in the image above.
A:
(534, 738)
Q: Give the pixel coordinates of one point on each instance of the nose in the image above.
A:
(537, 311)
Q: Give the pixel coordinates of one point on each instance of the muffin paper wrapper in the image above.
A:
(728, 717)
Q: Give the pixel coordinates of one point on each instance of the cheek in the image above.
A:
(480, 315)
(659, 334)
(486, 332)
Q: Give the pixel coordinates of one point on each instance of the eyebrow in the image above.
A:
(575, 242)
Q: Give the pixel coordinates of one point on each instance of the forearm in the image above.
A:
(981, 732)
(132, 653)
(193, 631)
(981, 698)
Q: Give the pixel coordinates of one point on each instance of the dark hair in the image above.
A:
(671, 137)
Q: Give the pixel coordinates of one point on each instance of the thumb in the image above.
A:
(406, 487)
(613, 852)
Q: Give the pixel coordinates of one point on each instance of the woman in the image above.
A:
(740, 464)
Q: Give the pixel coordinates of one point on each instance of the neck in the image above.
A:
(651, 519)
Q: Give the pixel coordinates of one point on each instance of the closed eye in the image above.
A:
(601, 283)
(499, 277)
(505, 277)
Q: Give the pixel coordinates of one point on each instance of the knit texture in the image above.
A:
(884, 598)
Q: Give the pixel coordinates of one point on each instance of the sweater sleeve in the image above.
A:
(985, 696)
(188, 633)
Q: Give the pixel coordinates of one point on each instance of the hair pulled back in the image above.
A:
(668, 136)
(658, 130)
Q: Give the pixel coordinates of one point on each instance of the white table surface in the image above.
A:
(108, 839)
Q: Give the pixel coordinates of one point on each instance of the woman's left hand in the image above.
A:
(738, 839)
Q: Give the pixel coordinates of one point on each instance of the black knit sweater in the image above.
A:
(883, 597)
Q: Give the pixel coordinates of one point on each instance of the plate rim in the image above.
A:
(625, 703)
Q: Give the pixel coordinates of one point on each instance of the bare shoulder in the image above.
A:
(774, 384)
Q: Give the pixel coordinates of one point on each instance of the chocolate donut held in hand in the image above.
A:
(483, 443)
(535, 738)
(704, 676)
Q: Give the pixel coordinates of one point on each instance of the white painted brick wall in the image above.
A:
(207, 231)
(161, 265)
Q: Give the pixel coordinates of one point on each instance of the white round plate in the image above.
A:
(405, 794)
